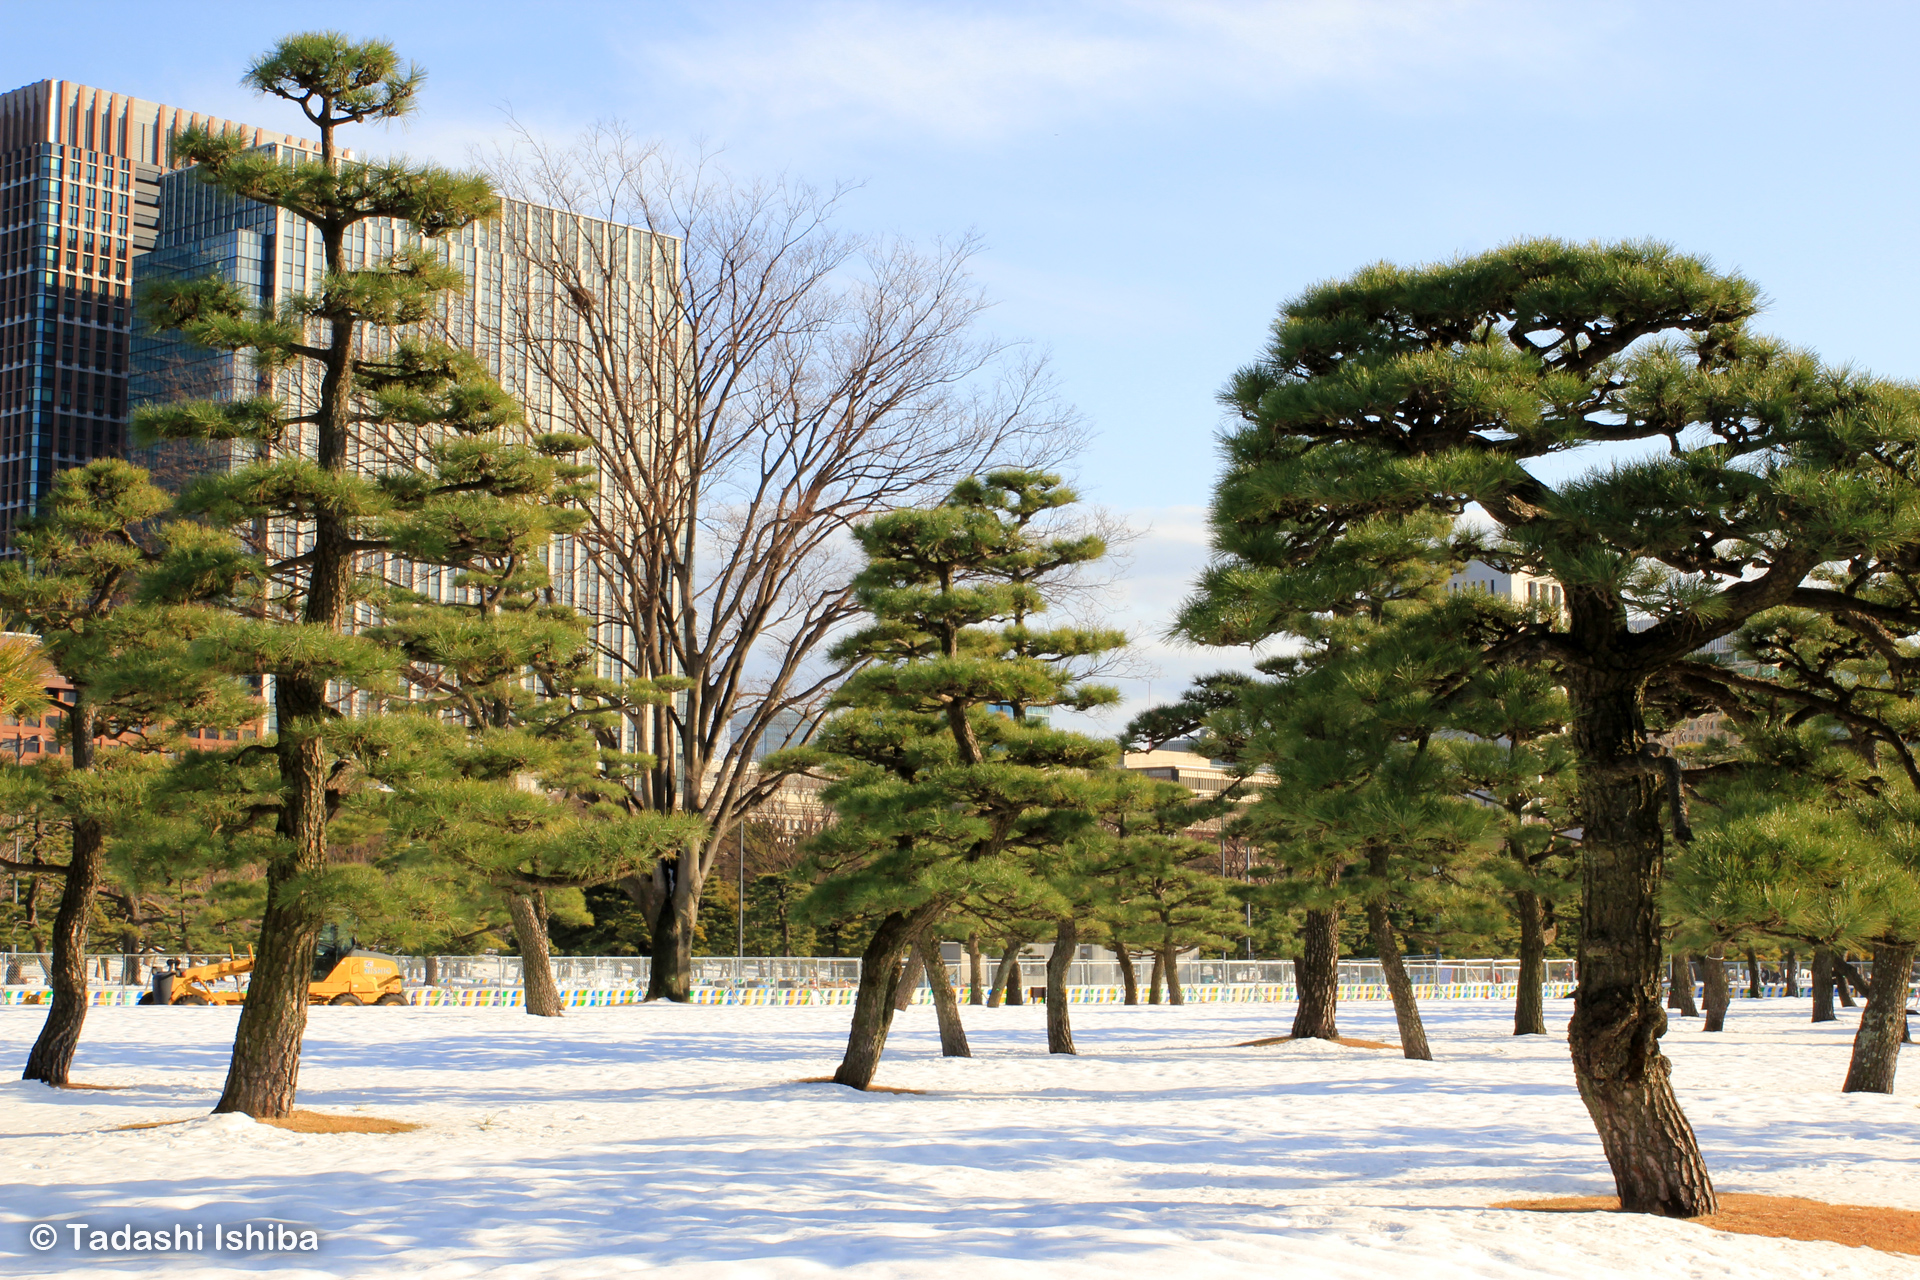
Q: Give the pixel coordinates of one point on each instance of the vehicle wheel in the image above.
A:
(391, 998)
(194, 999)
(145, 999)
(346, 997)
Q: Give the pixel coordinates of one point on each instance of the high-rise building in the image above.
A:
(80, 176)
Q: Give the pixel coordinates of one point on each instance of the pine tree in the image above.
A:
(81, 560)
(525, 798)
(362, 379)
(936, 794)
(1432, 388)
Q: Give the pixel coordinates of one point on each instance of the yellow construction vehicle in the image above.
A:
(341, 975)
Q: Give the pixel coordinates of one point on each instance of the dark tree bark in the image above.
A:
(1066, 943)
(1406, 1010)
(1754, 989)
(1617, 1018)
(536, 962)
(909, 980)
(1850, 977)
(997, 991)
(1154, 980)
(946, 1002)
(1170, 971)
(1822, 985)
(873, 1002)
(1790, 975)
(976, 971)
(1129, 976)
(51, 1060)
(1529, 1002)
(1876, 1045)
(1719, 991)
(1682, 979)
(1016, 977)
(671, 902)
(433, 971)
(1317, 977)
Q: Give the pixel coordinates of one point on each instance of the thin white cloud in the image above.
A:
(985, 72)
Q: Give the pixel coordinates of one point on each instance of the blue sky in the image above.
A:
(1153, 180)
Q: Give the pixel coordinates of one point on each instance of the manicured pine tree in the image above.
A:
(81, 560)
(523, 798)
(1433, 388)
(934, 792)
(364, 381)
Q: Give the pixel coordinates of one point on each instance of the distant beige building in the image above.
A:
(1526, 587)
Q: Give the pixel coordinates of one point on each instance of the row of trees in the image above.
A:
(372, 552)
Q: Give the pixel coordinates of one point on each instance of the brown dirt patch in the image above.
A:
(1348, 1041)
(321, 1122)
(71, 1085)
(872, 1088)
(307, 1122)
(1783, 1217)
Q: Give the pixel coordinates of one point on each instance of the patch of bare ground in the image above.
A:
(872, 1088)
(321, 1122)
(1348, 1041)
(307, 1122)
(75, 1085)
(1784, 1217)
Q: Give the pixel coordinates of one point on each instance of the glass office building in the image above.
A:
(79, 207)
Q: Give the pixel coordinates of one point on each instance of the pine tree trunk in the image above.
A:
(1529, 1001)
(909, 980)
(433, 971)
(1822, 985)
(873, 1002)
(1129, 976)
(1876, 1045)
(1317, 976)
(1754, 991)
(1850, 977)
(1719, 991)
(976, 971)
(1617, 1018)
(536, 962)
(946, 1002)
(1066, 943)
(1016, 977)
(1682, 979)
(1840, 983)
(264, 1073)
(1154, 980)
(1406, 1010)
(677, 907)
(1791, 975)
(1170, 971)
(51, 1060)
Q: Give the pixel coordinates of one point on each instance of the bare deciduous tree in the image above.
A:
(754, 380)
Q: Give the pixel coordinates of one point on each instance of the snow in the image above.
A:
(674, 1140)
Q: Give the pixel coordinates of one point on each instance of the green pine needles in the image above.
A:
(944, 783)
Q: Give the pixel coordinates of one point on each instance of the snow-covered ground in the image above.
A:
(664, 1139)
